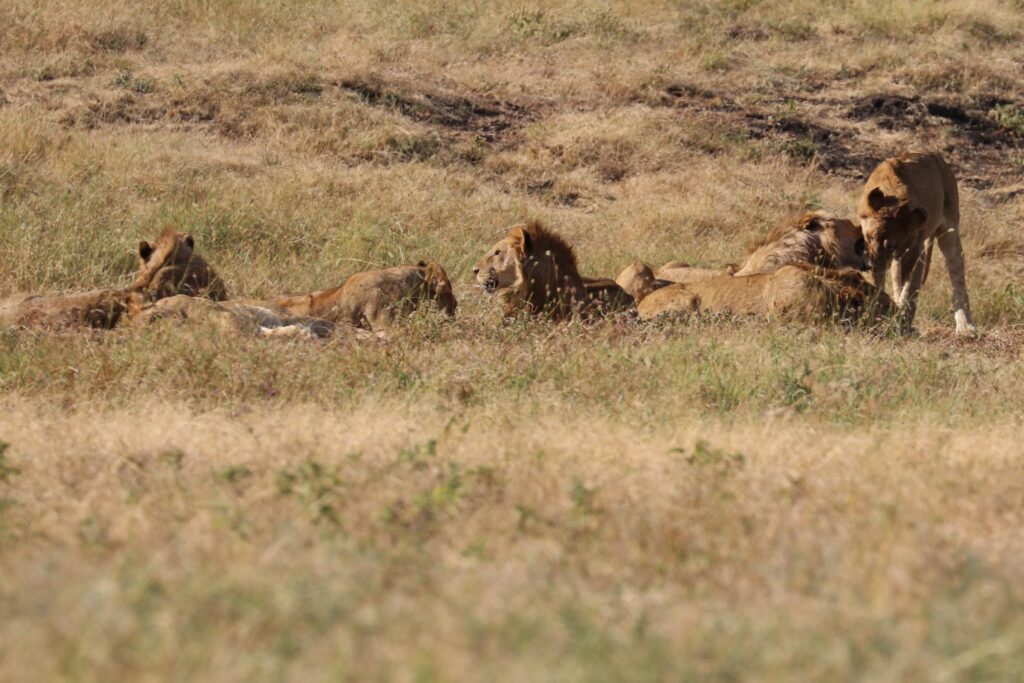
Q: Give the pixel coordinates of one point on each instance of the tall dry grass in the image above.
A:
(716, 499)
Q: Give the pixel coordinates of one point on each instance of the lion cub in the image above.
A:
(909, 203)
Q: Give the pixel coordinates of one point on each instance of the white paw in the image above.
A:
(964, 327)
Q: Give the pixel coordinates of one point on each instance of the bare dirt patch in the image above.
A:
(485, 117)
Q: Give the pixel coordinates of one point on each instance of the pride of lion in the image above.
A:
(811, 267)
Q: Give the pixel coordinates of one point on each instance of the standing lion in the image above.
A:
(909, 203)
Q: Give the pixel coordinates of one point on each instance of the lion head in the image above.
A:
(638, 280)
(535, 268)
(890, 225)
(171, 266)
(439, 287)
(502, 266)
(814, 238)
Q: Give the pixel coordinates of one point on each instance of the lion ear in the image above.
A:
(811, 221)
(145, 251)
(189, 240)
(876, 199)
(519, 240)
(421, 264)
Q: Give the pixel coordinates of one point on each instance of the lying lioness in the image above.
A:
(234, 317)
(373, 298)
(98, 308)
(680, 271)
(167, 267)
(791, 292)
(909, 203)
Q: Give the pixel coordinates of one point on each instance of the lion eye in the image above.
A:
(497, 253)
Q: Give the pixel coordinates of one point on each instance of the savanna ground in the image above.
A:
(712, 500)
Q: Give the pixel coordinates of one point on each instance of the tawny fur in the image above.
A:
(680, 271)
(235, 317)
(909, 204)
(794, 292)
(372, 299)
(98, 308)
(638, 280)
(534, 270)
(170, 266)
(814, 239)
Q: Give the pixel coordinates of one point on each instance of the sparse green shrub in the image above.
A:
(1009, 117)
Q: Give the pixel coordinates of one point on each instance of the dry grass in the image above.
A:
(713, 500)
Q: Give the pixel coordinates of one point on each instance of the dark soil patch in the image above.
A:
(972, 120)
(976, 123)
(833, 150)
(891, 112)
(688, 96)
(487, 118)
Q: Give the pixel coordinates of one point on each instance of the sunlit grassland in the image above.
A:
(467, 500)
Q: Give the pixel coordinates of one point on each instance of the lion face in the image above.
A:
(170, 266)
(844, 242)
(439, 286)
(501, 267)
(889, 227)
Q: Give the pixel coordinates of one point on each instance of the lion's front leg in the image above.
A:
(912, 266)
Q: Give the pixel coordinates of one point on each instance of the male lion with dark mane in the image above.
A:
(534, 269)
(815, 239)
(372, 299)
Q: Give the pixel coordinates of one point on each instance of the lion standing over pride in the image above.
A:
(909, 203)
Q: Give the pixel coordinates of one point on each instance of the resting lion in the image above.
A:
(793, 292)
(169, 266)
(534, 269)
(234, 317)
(606, 296)
(98, 308)
(814, 238)
(373, 298)
(909, 203)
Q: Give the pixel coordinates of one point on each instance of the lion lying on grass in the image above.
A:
(372, 299)
(793, 292)
(235, 317)
(533, 269)
(171, 266)
(814, 239)
(168, 267)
